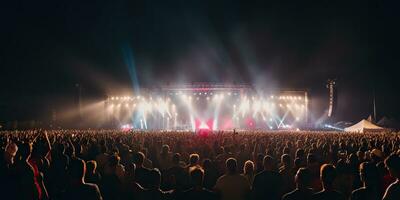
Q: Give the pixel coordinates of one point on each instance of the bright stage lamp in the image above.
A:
(204, 126)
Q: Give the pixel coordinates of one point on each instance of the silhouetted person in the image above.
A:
(328, 176)
(197, 192)
(286, 173)
(370, 179)
(130, 189)
(210, 174)
(248, 171)
(153, 192)
(92, 175)
(77, 188)
(25, 174)
(141, 172)
(393, 165)
(302, 191)
(232, 185)
(268, 183)
(57, 173)
(176, 174)
(111, 182)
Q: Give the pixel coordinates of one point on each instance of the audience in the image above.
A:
(111, 164)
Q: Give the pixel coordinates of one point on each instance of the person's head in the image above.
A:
(303, 178)
(393, 165)
(297, 162)
(286, 160)
(248, 167)
(130, 172)
(376, 155)
(311, 159)
(369, 173)
(300, 153)
(165, 149)
(242, 147)
(114, 160)
(231, 165)
(194, 159)
(328, 175)
(91, 166)
(196, 176)
(10, 152)
(176, 158)
(207, 164)
(286, 150)
(77, 169)
(103, 148)
(138, 159)
(353, 159)
(154, 178)
(25, 150)
(360, 155)
(268, 163)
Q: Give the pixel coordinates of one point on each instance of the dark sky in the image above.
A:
(49, 46)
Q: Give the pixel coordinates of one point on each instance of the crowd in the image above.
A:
(111, 164)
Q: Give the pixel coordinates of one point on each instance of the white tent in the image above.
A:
(362, 126)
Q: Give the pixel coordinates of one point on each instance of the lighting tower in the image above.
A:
(331, 86)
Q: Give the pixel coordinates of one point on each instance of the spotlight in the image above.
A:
(208, 98)
(112, 98)
(126, 105)
(297, 118)
(117, 98)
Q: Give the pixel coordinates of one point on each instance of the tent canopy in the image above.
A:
(388, 123)
(363, 125)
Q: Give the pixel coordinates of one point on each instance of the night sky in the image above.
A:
(49, 46)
